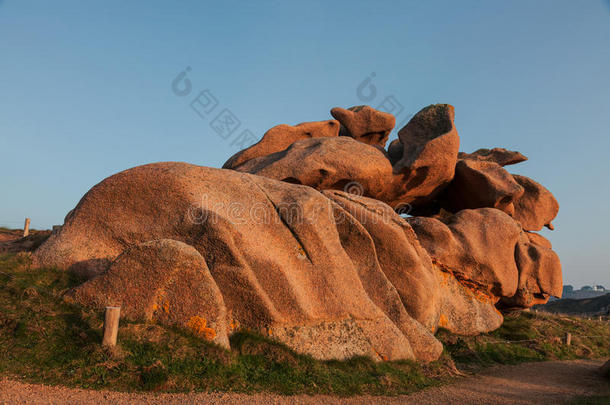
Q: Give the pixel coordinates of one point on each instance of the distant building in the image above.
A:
(585, 292)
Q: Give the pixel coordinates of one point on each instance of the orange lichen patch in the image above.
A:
(161, 305)
(475, 289)
(199, 326)
(442, 321)
(381, 356)
(445, 277)
(234, 324)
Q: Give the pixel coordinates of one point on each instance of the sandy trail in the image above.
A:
(531, 383)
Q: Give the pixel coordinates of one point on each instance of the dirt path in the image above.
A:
(532, 383)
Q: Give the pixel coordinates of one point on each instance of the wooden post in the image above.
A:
(568, 338)
(111, 326)
(26, 227)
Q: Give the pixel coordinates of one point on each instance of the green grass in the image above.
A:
(530, 336)
(44, 339)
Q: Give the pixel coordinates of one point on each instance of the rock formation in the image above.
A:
(365, 124)
(430, 147)
(501, 156)
(302, 237)
(479, 184)
(536, 207)
(281, 137)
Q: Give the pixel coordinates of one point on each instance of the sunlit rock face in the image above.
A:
(303, 237)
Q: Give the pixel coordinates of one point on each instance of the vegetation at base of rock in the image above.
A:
(591, 400)
(530, 336)
(44, 339)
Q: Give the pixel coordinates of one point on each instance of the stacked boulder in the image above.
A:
(303, 237)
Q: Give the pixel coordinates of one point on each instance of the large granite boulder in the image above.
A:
(282, 262)
(477, 246)
(426, 165)
(539, 273)
(537, 207)
(429, 293)
(281, 137)
(501, 156)
(328, 164)
(365, 124)
(481, 184)
(305, 240)
(162, 280)
(430, 147)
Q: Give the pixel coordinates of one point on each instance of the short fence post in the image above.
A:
(568, 338)
(26, 227)
(111, 326)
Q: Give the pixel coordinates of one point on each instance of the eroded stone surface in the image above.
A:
(539, 273)
(477, 246)
(430, 148)
(234, 221)
(537, 207)
(281, 137)
(501, 156)
(365, 124)
(321, 259)
(481, 184)
(163, 280)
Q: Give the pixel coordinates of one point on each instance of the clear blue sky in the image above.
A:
(85, 90)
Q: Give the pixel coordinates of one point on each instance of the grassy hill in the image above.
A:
(44, 339)
(588, 306)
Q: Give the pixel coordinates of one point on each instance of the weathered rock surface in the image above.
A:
(281, 137)
(314, 283)
(430, 148)
(162, 280)
(537, 207)
(404, 280)
(539, 274)
(501, 156)
(477, 246)
(426, 165)
(328, 164)
(428, 292)
(321, 259)
(481, 184)
(538, 239)
(365, 124)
